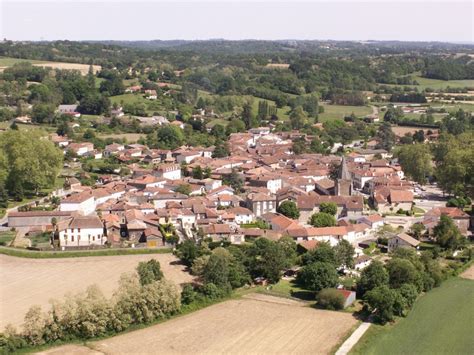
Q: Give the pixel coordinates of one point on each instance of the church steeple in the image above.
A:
(344, 180)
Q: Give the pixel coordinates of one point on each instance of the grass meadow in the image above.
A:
(441, 322)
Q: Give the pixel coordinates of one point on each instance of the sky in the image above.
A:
(404, 20)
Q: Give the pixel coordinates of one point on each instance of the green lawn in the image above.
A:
(6, 237)
(332, 112)
(441, 322)
(289, 289)
(128, 99)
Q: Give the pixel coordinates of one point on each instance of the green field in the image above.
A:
(441, 322)
(442, 84)
(8, 62)
(332, 112)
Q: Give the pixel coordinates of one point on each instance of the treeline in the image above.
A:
(141, 298)
(449, 69)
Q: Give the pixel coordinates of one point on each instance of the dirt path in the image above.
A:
(469, 273)
(353, 339)
(26, 282)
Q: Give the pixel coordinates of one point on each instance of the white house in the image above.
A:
(81, 202)
(169, 171)
(402, 240)
(188, 157)
(81, 232)
(242, 215)
(81, 149)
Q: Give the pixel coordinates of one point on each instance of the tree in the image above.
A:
(454, 156)
(247, 116)
(415, 161)
(317, 276)
(323, 253)
(416, 230)
(345, 253)
(235, 126)
(197, 172)
(216, 270)
(289, 209)
(169, 137)
(447, 234)
(297, 118)
(381, 301)
(267, 259)
(328, 207)
(149, 271)
(33, 326)
(402, 271)
(42, 113)
(330, 298)
(187, 251)
(385, 136)
(28, 162)
(234, 180)
(322, 219)
(221, 150)
(94, 104)
(371, 277)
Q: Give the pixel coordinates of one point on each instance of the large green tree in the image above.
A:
(317, 276)
(289, 209)
(415, 161)
(28, 161)
(322, 219)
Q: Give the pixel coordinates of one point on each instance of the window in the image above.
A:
(72, 238)
(72, 230)
(78, 230)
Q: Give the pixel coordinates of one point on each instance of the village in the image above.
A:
(185, 194)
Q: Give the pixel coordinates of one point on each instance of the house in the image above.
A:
(35, 218)
(82, 203)
(81, 231)
(402, 240)
(349, 296)
(61, 141)
(388, 199)
(188, 157)
(133, 89)
(81, 149)
(220, 232)
(242, 215)
(113, 149)
(361, 262)
(260, 203)
(374, 221)
(169, 171)
(70, 110)
(272, 183)
(459, 217)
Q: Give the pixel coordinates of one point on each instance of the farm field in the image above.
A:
(255, 325)
(332, 112)
(83, 68)
(400, 131)
(441, 322)
(130, 137)
(26, 282)
(441, 84)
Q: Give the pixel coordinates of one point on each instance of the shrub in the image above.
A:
(149, 271)
(330, 298)
(188, 295)
(328, 207)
